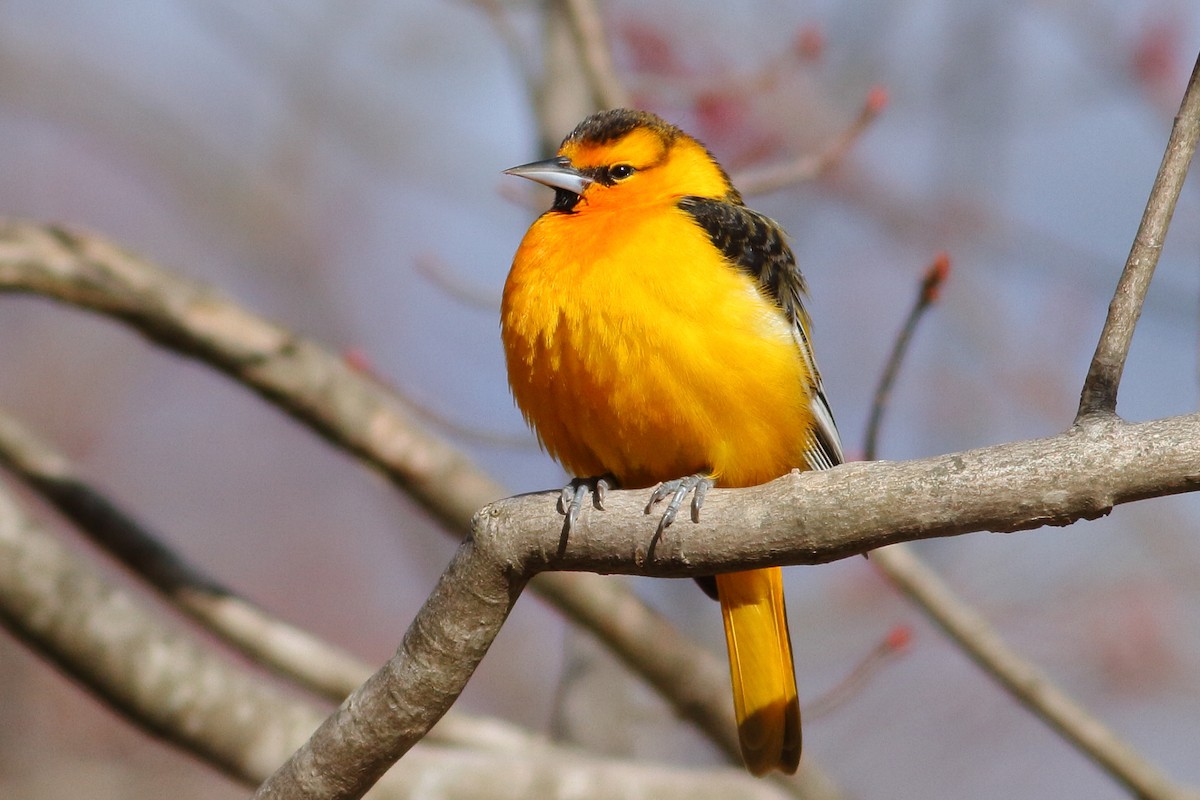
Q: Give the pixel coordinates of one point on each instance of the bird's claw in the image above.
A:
(678, 490)
(570, 502)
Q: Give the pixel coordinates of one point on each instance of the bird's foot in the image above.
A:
(678, 490)
(570, 502)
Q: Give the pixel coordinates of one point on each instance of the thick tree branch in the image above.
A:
(1104, 374)
(806, 518)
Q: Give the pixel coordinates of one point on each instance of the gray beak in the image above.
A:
(556, 173)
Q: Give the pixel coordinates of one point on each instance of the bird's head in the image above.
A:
(623, 158)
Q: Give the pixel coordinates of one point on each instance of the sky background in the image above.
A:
(318, 161)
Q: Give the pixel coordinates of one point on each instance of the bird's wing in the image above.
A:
(755, 244)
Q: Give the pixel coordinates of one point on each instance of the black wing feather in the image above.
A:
(755, 244)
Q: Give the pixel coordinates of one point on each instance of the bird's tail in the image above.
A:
(760, 664)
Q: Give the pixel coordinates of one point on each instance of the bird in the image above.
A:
(655, 335)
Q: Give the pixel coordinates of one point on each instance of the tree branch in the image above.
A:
(810, 166)
(927, 294)
(594, 55)
(268, 640)
(169, 683)
(802, 518)
(357, 414)
(1099, 393)
(1033, 688)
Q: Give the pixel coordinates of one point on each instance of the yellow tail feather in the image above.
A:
(760, 665)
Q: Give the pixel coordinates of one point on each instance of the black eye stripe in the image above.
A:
(610, 174)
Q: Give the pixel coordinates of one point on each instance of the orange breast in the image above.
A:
(634, 348)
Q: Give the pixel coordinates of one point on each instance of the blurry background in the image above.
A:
(319, 161)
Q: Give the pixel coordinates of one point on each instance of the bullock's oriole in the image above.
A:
(654, 334)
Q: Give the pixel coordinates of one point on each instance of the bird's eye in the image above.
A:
(619, 172)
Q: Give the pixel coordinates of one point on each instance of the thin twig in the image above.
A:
(886, 650)
(1099, 394)
(439, 273)
(773, 177)
(588, 29)
(927, 295)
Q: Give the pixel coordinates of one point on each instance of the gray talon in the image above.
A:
(573, 495)
(678, 490)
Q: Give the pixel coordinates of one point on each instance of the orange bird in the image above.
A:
(654, 334)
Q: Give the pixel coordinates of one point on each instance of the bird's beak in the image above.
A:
(556, 173)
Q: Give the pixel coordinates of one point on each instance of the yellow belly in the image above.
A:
(636, 350)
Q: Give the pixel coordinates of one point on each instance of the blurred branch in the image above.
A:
(1099, 394)
(971, 631)
(154, 674)
(355, 413)
(316, 387)
(173, 686)
(1029, 685)
(594, 54)
(800, 518)
(773, 177)
(290, 651)
(438, 272)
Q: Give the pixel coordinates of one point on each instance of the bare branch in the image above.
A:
(154, 674)
(289, 650)
(1099, 394)
(354, 412)
(773, 177)
(927, 294)
(797, 519)
(1030, 686)
(292, 652)
(173, 686)
(319, 389)
(971, 631)
(594, 54)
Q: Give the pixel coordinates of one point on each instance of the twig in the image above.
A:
(927, 295)
(888, 648)
(797, 519)
(439, 273)
(588, 30)
(773, 177)
(1099, 394)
